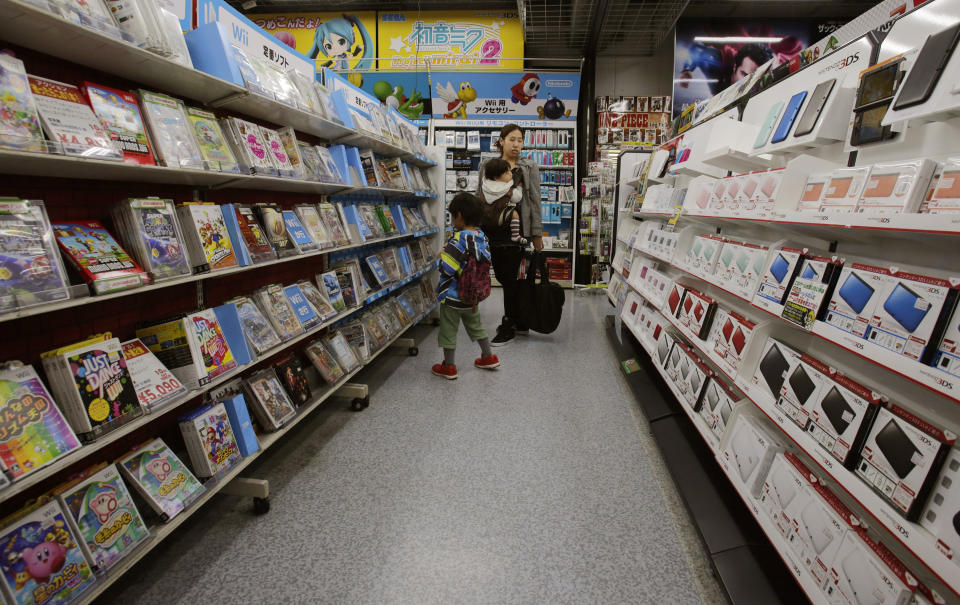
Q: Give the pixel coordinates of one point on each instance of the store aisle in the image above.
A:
(532, 484)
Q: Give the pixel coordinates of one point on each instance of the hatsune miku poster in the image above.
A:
(107, 521)
(341, 41)
(41, 560)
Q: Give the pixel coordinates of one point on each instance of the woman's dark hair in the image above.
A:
(505, 132)
(467, 206)
(495, 168)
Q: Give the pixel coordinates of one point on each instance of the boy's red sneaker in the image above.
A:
(448, 372)
(490, 362)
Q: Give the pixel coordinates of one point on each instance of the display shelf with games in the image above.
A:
(87, 300)
(850, 272)
(118, 434)
(597, 222)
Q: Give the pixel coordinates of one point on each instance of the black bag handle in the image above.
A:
(538, 262)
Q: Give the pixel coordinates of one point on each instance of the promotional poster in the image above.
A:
(548, 96)
(340, 41)
(474, 40)
(406, 91)
(711, 55)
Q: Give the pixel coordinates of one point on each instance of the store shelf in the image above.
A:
(159, 532)
(558, 250)
(555, 167)
(928, 377)
(827, 224)
(273, 111)
(78, 302)
(88, 449)
(39, 30)
(911, 536)
(365, 141)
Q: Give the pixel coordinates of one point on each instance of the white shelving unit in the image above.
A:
(920, 242)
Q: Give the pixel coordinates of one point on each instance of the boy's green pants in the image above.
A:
(450, 318)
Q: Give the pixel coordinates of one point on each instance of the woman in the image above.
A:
(506, 254)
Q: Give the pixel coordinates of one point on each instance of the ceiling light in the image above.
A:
(738, 39)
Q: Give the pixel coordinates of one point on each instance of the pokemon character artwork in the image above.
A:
(40, 559)
(526, 89)
(337, 40)
(410, 107)
(457, 99)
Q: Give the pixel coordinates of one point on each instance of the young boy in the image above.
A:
(466, 242)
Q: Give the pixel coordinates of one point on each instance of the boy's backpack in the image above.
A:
(473, 285)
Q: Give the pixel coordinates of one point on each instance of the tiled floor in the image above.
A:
(533, 484)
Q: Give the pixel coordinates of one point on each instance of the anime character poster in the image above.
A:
(471, 40)
(711, 55)
(340, 41)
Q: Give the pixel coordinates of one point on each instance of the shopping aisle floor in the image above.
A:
(536, 483)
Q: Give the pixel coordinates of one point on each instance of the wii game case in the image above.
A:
(343, 351)
(392, 171)
(330, 166)
(370, 172)
(331, 286)
(271, 404)
(170, 131)
(324, 362)
(308, 93)
(275, 147)
(357, 336)
(149, 228)
(69, 121)
(347, 279)
(206, 235)
(372, 220)
(271, 217)
(20, 129)
(306, 314)
(386, 220)
(119, 114)
(92, 385)
(259, 332)
(249, 147)
(251, 233)
(375, 264)
(158, 475)
(331, 218)
(290, 371)
(275, 306)
(209, 438)
(36, 433)
(299, 235)
(41, 560)
(30, 263)
(212, 354)
(231, 395)
(323, 307)
(154, 383)
(99, 259)
(213, 144)
(103, 515)
(390, 264)
(288, 140)
(313, 223)
(312, 165)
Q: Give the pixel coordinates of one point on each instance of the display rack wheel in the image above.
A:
(360, 403)
(261, 506)
(414, 351)
(436, 321)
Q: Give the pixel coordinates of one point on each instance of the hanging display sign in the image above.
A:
(340, 41)
(251, 39)
(450, 40)
(406, 91)
(545, 96)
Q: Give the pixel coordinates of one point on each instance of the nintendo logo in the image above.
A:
(560, 83)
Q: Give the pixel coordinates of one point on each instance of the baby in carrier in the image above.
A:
(501, 220)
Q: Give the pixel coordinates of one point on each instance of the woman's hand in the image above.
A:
(538, 243)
